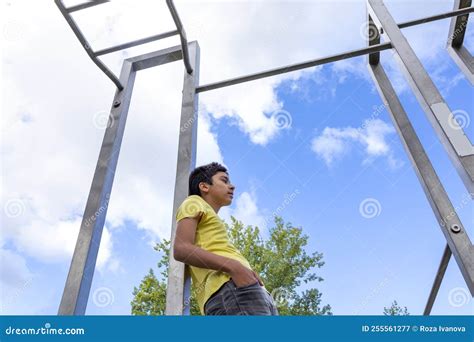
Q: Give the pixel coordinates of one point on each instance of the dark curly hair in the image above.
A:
(204, 174)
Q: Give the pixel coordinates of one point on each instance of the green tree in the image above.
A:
(395, 310)
(148, 298)
(281, 261)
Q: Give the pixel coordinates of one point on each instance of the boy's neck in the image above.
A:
(214, 206)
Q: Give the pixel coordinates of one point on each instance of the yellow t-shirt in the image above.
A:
(212, 236)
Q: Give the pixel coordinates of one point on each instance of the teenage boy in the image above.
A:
(223, 279)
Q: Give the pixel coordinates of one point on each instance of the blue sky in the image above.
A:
(335, 165)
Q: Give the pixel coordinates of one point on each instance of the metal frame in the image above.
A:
(451, 226)
(458, 242)
(79, 279)
(460, 55)
(456, 143)
(82, 267)
(66, 12)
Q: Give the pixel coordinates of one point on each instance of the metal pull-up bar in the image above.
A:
(85, 5)
(182, 35)
(372, 50)
(66, 11)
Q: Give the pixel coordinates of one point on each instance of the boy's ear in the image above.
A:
(204, 187)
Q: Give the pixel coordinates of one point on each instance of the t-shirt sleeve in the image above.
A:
(191, 207)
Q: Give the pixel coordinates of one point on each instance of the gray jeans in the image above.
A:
(252, 299)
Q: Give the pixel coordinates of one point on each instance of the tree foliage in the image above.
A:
(281, 261)
(395, 310)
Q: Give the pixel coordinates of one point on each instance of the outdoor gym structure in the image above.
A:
(379, 23)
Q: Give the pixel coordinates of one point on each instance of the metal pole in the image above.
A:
(78, 283)
(451, 135)
(182, 35)
(135, 43)
(177, 281)
(293, 67)
(81, 271)
(460, 55)
(455, 13)
(450, 224)
(85, 5)
(443, 265)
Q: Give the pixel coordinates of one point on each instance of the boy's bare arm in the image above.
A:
(186, 251)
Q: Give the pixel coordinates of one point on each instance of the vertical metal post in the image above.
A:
(457, 29)
(81, 271)
(456, 143)
(178, 288)
(443, 265)
(450, 224)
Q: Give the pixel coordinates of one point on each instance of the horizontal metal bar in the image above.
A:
(135, 43)
(86, 45)
(182, 35)
(443, 265)
(436, 17)
(85, 5)
(294, 67)
(155, 58)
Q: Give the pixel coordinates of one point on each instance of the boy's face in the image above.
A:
(221, 190)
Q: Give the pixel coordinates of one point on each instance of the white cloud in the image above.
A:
(245, 210)
(16, 278)
(50, 143)
(333, 143)
(52, 92)
(14, 269)
(55, 242)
